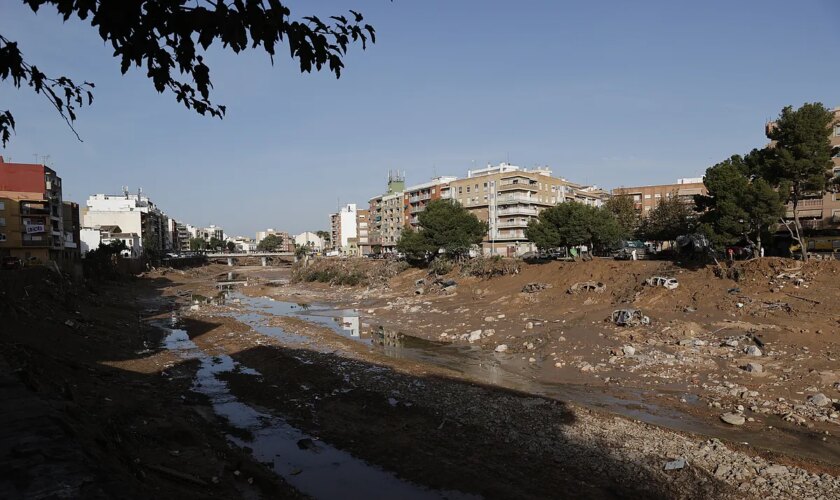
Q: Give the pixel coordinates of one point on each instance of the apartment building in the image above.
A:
(360, 244)
(31, 212)
(507, 197)
(820, 213)
(288, 242)
(344, 228)
(310, 240)
(72, 226)
(135, 213)
(384, 231)
(646, 198)
(415, 198)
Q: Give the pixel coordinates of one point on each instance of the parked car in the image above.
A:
(11, 263)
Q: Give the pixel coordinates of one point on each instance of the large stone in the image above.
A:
(752, 351)
(774, 470)
(629, 350)
(733, 418)
(489, 319)
(474, 335)
(501, 348)
(819, 399)
(754, 368)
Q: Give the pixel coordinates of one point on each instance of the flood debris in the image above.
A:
(668, 283)
(733, 418)
(587, 286)
(629, 317)
(675, 464)
(535, 287)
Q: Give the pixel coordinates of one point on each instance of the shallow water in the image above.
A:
(312, 466)
(509, 371)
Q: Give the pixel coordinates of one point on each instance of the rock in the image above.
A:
(628, 350)
(420, 282)
(489, 319)
(774, 470)
(474, 335)
(70, 323)
(501, 348)
(730, 343)
(733, 418)
(529, 325)
(754, 368)
(722, 470)
(500, 316)
(449, 289)
(489, 332)
(532, 360)
(675, 464)
(535, 287)
(819, 399)
(752, 351)
(194, 307)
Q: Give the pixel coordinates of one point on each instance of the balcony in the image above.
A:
(516, 199)
(419, 198)
(511, 235)
(418, 209)
(518, 211)
(518, 224)
(518, 186)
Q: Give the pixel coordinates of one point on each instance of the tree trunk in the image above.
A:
(803, 247)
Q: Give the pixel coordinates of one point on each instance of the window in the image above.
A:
(2, 205)
(657, 195)
(468, 189)
(837, 131)
(647, 196)
(2, 221)
(460, 190)
(2, 236)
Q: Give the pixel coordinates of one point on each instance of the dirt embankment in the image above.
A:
(85, 415)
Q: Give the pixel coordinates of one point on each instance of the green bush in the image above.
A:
(350, 272)
(441, 266)
(488, 267)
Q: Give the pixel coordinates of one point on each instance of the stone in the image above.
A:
(675, 464)
(194, 307)
(628, 350)
(489, 319)
(474, 335)
(500, 316)
(532, 360)
(754, 368)
(529, 325)
(752, 351)
(733, 418)
(730, 343)
(819, 399)
(501, 348)
(774, 470)
(722, 470)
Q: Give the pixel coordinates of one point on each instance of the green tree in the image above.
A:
(170, 38)
(444, 225)
(799, 162)
(669, 219)
(324, 235)
(270, 243)
(231, 246)
(739, 205)
(572, 224)
(624, 210)
(197, 244)
(215, 243)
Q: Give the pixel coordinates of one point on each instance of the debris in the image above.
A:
(587, 286)
(675, 464)
(754, 368)
(819, 399)
(733, 418)
(669, 283)
(474, 335)
(177, 474)
(628, 350)
(629, 317)
(803, 298)
(501, 348)
(535, 287)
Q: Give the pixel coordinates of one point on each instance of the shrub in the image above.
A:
(441, 266)
(351, 272)
(487, 267)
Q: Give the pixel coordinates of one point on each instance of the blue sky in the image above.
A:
(605, 92)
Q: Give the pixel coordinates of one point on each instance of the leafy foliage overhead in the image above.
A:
(169, 37)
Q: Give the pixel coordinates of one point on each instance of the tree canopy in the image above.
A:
(572, 224)
(170, 38)
(670, 218)
(197, 244)
(624, 210)
(270, 243)
(738, 205)
(444, 225)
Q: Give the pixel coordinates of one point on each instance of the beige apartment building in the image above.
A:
(646, 198)
(507, 197)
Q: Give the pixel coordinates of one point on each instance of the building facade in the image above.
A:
(310, 240)
(384, 228)
(646, 198)
(134, 213)
(344, 229)
(508, 197)
(31, 212)
(415, 198)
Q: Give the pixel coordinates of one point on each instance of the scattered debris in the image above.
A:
(669, 283)
(752, 351)
(629, 317)
(587, 286)
(733, 418)
(675, 464)
(535, 287)
(819, 399)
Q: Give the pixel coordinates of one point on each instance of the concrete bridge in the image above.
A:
(262, 255)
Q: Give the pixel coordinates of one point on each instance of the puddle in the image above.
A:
(508, 371)
(312, 466)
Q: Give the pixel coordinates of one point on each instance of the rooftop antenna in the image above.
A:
(125, 192)
(36, 157)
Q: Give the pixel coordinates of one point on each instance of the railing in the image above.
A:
(415, 210)
(518, 211)
(518, 199)
(513, 235)
(513, 186)
(512, 224)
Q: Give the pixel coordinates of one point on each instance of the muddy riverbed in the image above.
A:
(444, 419)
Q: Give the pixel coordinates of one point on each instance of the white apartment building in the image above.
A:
(310, 240)
(133, 213)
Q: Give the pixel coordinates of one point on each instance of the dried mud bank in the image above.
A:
(461, 435)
